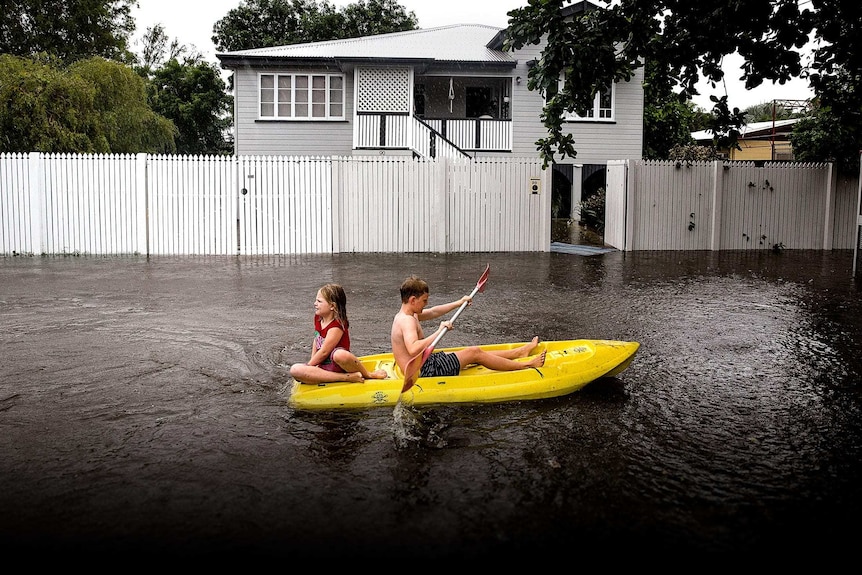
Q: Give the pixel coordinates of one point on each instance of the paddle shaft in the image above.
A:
(454, 317)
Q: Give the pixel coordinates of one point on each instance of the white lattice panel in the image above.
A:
(383, 90)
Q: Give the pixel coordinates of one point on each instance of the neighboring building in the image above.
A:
(758, 141)
(440, 92)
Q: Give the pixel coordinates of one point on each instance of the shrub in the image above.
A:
(593, 211)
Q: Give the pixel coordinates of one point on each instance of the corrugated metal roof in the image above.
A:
(752, 129)
(455, 43)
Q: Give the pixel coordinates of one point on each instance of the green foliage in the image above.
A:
(668, 121)
(66, 29)
(265, 23)
(593, 211)
(369, 17)
(188, 91)
(92, 106)
(43, 109)
(128, 123)
(692, 153)
(686, 41)
(193, 96)
(821, 137)
(764, 112)
(157, 48)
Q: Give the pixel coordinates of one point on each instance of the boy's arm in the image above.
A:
(406, 336)
(443, 308)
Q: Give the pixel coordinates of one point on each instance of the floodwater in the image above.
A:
(144, 414)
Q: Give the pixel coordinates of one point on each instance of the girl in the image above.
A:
(331, 358)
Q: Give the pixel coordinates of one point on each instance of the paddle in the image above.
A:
(414, 366)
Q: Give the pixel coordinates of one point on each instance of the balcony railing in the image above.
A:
(480, 134)
(432, 137)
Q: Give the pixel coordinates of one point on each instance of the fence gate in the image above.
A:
(284, 205)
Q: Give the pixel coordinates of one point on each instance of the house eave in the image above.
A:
(231, 62)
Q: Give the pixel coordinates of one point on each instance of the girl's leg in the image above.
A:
(351, 364)
(313, 374)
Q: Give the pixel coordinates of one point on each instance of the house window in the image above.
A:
(302, 96)
(602, 110)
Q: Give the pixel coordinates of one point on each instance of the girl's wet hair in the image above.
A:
(334, 295)
(413, 286)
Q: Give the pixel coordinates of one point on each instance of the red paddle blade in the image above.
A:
(411, 372)
(428, 351)
(415, 367)
(480, 285)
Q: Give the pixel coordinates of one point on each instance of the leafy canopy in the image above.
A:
(265, 23)
(92, 106)
(68, 30)
(684, 40)
(192, 94)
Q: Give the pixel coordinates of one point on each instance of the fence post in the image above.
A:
(631, 178)
(439, 219)
(829, 208)
(717, 187)
(142, 199)
(336, 190)
(36, 176)
(545, 201)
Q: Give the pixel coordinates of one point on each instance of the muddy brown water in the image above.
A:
(144, 414)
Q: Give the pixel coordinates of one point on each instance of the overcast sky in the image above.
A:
(192, 23)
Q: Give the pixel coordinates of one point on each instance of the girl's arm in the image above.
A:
(333, 336)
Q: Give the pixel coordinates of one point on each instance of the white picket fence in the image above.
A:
(652, 205)
(220, 205)
(226, 205)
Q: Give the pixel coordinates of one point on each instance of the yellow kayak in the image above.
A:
(569, 366)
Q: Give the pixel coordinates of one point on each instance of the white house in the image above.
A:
(450, 91)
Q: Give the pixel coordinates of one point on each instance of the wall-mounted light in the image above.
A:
(518, 80)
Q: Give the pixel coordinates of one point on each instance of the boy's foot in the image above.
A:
(538, 361)
(354, 377)
(377, 374)
(527, 348)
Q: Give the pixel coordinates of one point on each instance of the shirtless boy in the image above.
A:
(408, 339)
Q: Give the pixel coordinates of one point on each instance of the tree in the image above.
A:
(184, 88)
(67, 29)
(126, 119)
(685, 40)
(92, 106)
(192, 94)
(823, 137)
(834, 132)
(265, 23)
(668, 122)
(768, 111)
(156, 49)
(369, 17)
